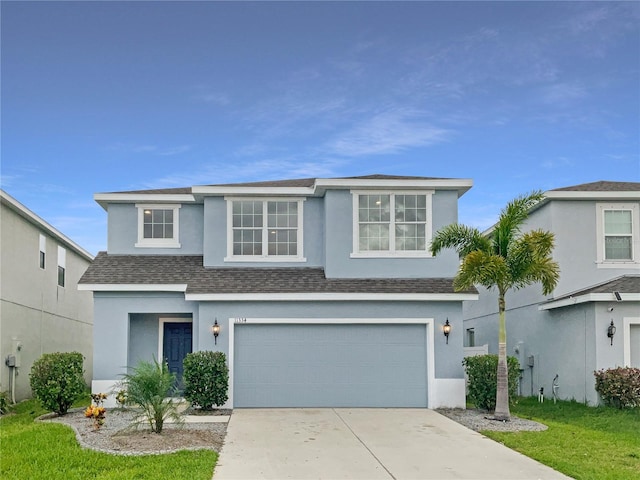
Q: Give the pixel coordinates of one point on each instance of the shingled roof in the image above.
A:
(602, 186)
(623, 284)
(295, 182)
(188, 269)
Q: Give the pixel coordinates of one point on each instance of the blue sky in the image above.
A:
(100, 97)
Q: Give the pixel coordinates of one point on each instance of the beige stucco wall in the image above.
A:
(34, 310)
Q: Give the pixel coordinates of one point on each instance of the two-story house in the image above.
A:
(592, 319)
(41, 310)
(321, 292)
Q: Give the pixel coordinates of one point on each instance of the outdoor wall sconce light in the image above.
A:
(611, 331)
(215, 329)
(446, 329)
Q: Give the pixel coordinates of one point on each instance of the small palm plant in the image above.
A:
(506, 259)
(150, 385)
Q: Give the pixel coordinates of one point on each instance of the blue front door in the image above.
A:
(176, 345)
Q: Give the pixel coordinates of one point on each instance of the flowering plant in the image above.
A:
(121, 398)
(96, 412)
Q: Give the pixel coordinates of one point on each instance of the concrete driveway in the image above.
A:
(372, 443)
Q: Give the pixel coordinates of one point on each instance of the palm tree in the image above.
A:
(504, 259)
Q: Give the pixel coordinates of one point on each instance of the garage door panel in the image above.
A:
(320, 365)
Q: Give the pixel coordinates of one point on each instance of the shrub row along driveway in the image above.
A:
(364, 444)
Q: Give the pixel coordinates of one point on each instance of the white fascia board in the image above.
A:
(328, 297)
(253, 191)
(590, 297)
(105, 198)
(103, 287)
(462, 185)
(34, 219)
(586, 195)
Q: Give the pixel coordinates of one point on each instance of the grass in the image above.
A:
(50, 451)
(582, 442)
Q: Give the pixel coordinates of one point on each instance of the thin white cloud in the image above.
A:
(558, 162)
(563, 93)
(272, 167)
(387, 133)
(150, 149)
(215, 98)
(174, 150)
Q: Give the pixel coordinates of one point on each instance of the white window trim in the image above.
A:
(62, 263)
(626, 326)
(392, 253)
(158, 242)
(265, 257)
(601, 262)
(43, 250)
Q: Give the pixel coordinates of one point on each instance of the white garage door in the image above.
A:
(335, 365)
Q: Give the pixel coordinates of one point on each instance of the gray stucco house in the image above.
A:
(324, 290)
(41, 310)
(597, 232)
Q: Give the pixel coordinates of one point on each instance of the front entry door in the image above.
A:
(176, 345)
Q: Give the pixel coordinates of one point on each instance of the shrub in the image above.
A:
(206, 379)
(482, 371)
(4, 402)
(56, 380)
(150, 386)
(619, 387)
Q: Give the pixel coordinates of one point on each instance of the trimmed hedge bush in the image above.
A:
(56, 380)
(206, 379)
(482, 371)
(619, 387)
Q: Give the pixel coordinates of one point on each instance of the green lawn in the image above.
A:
(582, 442)
(49, 451)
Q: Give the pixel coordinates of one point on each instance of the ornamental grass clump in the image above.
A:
(150, 386)
(56, 380)
(619, 387)
(206, 379)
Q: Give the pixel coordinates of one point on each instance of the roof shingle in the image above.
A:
(601, 186)
(188, 269)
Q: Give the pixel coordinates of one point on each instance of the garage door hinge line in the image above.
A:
(363, 444)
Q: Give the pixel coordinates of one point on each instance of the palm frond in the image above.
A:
(546, 271)
(511, 218)
(483, 268)
(461, 238)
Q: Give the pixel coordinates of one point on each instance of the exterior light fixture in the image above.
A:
(446, 329)
(215, 329)
(611, 331)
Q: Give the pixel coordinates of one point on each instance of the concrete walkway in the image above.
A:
(367, 444)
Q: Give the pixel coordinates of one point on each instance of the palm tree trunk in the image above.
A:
(502, 392)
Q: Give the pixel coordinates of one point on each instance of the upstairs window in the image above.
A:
(43, 251)
(391, 224)
(264, 230)
(158, 226)
(62, 266)
(618, 234)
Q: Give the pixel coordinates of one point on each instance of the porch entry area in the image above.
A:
(167, 337)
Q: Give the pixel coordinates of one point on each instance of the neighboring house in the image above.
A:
(41, 309)
(324, 290)
(597, 238)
